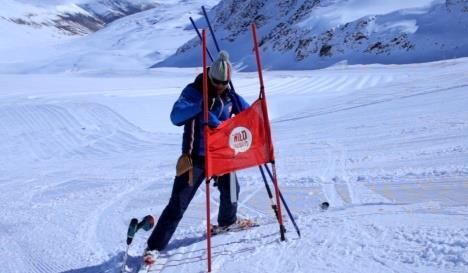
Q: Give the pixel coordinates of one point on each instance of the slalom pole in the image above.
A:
(284, 203)
(273, 205)
(268, 130)
(199, 36)
(205, 117)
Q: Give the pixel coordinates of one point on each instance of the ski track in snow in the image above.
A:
(376, 143)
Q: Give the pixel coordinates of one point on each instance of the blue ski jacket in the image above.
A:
(188, 111)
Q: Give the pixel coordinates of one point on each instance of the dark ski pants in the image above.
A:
(182, 194)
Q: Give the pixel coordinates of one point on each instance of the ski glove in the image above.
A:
(184, 165)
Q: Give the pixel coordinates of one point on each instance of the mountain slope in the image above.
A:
(130, 43)
(293, 34)
(315, 34)
(71, 17)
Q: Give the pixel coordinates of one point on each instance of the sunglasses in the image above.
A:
(218, 82)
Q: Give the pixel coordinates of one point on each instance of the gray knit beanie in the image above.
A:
(220, 69)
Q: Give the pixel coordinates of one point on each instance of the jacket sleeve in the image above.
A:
(187, 106)
(213, 121)
(243, 103)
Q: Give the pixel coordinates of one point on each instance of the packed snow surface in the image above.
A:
(386, 145)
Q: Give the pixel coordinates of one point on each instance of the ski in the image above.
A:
(240, 225)
(229, 230)
(132, 229)
(146, 223)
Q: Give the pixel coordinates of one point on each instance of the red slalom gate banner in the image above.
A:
(240, 142)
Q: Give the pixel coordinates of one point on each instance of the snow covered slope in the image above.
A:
(317, 34)
(71, 17)
(133, 42)
(80, 130)
(386, 145)
(293, 34)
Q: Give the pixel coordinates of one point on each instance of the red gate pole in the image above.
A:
(268, 129)
(205, 117)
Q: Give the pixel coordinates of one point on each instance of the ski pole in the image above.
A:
(211, 29)
(199, 36)
(284, 203)
(273, 205)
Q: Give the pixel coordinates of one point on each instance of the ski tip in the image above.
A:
(147, 223)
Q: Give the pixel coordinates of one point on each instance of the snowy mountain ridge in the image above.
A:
(71, 17)
(317, 34)
(299, 34)
(131, 43)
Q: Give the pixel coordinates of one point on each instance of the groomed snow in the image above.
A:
(386, 145)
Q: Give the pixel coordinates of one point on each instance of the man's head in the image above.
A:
(220, 72)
